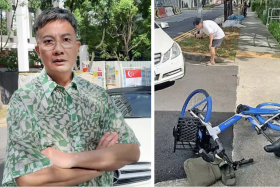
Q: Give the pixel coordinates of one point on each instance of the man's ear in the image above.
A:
(38, 51)
(78, 45)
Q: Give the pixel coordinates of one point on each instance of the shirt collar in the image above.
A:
(49, 85)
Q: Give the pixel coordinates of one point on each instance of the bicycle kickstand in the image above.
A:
(241, 162)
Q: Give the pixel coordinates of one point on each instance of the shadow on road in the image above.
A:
(164, 85)
(169, 165)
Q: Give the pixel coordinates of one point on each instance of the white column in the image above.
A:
(61, 3)
(118, 75)
(38, 12)
(58, 3)
(83, 54)
(27, 22)
(9, 15)
(22, 47)
(30, 24)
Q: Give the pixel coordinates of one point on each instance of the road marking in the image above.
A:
(250, 54)
(184, 35)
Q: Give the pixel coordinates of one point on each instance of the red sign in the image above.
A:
(99, 74)
(133, 73)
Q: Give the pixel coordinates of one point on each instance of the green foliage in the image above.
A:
(274, 29)
(3, 27)
(5, 5)
(254, 5)
(10, 59)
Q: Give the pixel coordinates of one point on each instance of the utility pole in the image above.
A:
(225, 10)
(199, 9)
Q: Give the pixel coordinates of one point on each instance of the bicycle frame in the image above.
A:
(253, 115)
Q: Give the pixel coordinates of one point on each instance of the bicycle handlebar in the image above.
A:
(210, 157)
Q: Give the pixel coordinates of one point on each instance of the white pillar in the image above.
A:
(30, 24)
(9, 15)
(83, 54)
(58, 3)
(27, 22)
(22, 47)
(38, 12)
(118, 75)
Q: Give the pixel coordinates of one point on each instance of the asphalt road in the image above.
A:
(220, 82)
(182, 23)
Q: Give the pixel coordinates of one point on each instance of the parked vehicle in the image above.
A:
(135, 105)
(168, 58)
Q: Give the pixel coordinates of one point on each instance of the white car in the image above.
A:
(169, 60)
(135, 105)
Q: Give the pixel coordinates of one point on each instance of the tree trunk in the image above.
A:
(91, 62)
(225, 10)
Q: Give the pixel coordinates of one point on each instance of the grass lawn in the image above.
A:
(200, 46)
(3, 113)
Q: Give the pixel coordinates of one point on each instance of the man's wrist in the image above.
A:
(74, 159)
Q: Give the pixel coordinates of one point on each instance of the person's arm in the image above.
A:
(211, 37)
(54, 176)
(106, 159)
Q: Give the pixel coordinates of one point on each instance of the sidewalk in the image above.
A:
(259, 79)
(3, 121)
(258, 82)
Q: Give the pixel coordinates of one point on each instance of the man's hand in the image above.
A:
(210, 45)
(108, 139)
(59, 158)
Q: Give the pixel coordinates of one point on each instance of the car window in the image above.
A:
(156, 26)
(134, 105)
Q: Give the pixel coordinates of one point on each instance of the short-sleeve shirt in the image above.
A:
(44, 114)
(210, 26)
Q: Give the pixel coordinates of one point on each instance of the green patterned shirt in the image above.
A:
(43, 114)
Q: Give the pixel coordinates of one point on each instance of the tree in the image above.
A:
(123, 27)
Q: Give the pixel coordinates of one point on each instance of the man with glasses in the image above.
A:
(62, 129)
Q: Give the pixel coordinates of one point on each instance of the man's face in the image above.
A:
(57, 46)
(199, 26)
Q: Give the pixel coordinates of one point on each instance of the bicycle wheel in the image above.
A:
(262, 118)
(200, 103)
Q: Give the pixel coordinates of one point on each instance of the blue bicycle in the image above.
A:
(195, 131)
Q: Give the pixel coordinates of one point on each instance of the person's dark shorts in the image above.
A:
(217, 42)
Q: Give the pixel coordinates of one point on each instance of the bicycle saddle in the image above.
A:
(240, 108)
(274, 147)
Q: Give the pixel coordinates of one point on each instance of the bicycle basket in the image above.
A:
(187, 129)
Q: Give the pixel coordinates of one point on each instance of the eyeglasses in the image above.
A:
(50, 43)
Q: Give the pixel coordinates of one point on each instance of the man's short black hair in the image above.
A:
(197, 21)
(53, 14)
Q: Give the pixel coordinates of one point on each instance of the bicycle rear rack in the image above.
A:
(185, 133)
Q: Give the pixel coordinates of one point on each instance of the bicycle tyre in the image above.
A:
(262, 119)
(208, 104)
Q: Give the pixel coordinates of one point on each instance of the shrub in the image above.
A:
(255, 5)
(274, 29)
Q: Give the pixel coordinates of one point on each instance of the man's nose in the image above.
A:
(58, 49)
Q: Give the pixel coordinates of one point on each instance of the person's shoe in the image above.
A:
(274, 147)
(210, 63)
